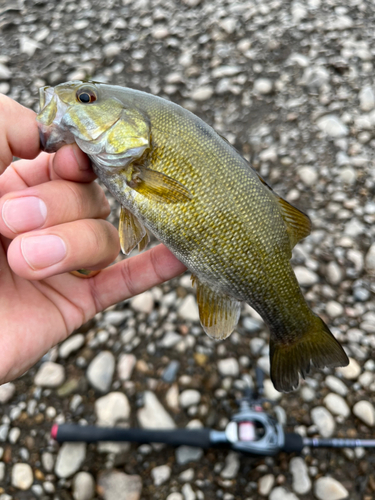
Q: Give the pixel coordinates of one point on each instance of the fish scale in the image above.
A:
(185, 184)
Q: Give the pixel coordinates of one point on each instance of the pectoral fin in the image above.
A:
(218, 313)
(131, 232)
(158, 186)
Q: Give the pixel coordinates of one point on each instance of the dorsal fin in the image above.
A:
(297, 223)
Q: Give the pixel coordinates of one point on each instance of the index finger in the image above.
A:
(19, 135)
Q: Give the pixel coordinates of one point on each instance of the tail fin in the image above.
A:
(317, 347)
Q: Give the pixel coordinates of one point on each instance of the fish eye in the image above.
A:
(86, 96)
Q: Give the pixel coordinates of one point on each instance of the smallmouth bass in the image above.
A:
(176, 178)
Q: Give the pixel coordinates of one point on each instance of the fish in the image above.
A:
(177, 179)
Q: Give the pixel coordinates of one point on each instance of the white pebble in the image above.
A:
(305, 276)
(202, 93)
(334, 309)
(22, 476)
(160, 474)
(263, 86)
(301, 481)
(50, 375)
(265, 484)
(327, 488)
(350, 372)
(71, 345)
(322, 418)
(112, 408)
(143, 302)
(336, 385)
(337, 405)
(367, 98)
(189, 397)
(308, 175)
(228, 367)
(332, 126)
(188, 309)
(365, 411)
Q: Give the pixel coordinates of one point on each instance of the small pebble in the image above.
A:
(350, 372)
(50, 374)
(83, 486)
(337, 405)
(228, 367)
(22, 476)
(161, 474)
(301, 479)
(365, 411)
(322, 418)
(265, 484)
(327, 488)
(111, 409)
(100, 371)
(69, 459)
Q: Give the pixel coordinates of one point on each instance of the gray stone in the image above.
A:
(232, 465)
(28, 46)
(4, 429)
(281, 493)
(115, 485)
(5, 73)
(189, 397)
(188, 309)
(365, 411)
(367, 98)
(22, 476)
(370, 260)
(170, 372)
(125, 366)
(69, 459)
(265, 484)
(4, 88)
(100, 371)
(161, 474)
(202, 93)
(228, 367)
(322, 418)
(14, 435)
(187, 476)
(305, 276)
(186, 454)
(327, 488)
(2, 472)
(115, 318)
(334, 273)
(175, 496)
(72, 344)
(188, 492)
(263, 86)
(301, 480)
(83, 486)
(170, 339)
(111, 409)
(143, 302)
(153, 414)
(332, 126)
(337, 405)
(50, 374)
(308, 175)
(307, 393)
(7, 391)
(48, 461)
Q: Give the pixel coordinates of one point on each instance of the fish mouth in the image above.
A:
(52, 135)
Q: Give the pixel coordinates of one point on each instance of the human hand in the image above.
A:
(53, 221)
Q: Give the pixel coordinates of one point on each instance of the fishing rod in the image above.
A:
(251, 431)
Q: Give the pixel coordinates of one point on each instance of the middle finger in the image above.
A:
(50, 204)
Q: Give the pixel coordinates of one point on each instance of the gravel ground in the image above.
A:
(291, 85)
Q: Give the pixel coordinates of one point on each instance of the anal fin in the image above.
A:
(131, 232)
(218, 313)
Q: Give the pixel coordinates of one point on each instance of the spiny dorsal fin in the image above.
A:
(218, 313)
(298, 224)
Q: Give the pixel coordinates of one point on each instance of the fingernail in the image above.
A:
(43, 251)
(24, 214)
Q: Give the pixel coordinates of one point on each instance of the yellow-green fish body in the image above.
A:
(176, 177)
